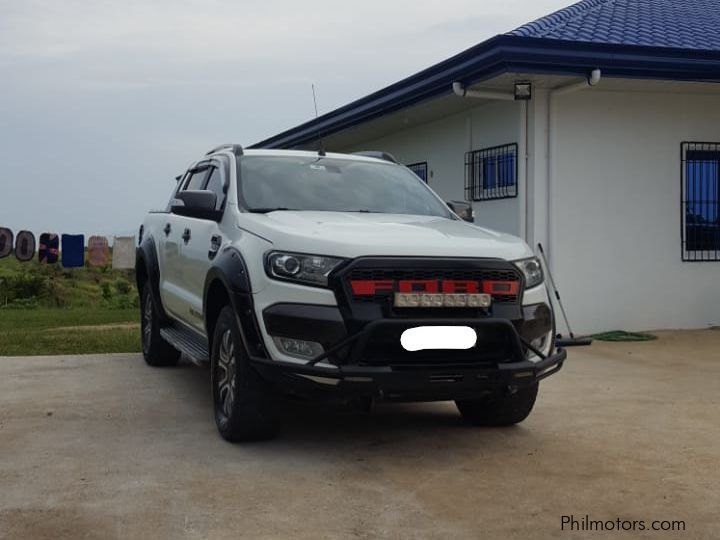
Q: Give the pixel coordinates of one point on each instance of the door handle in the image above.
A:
(215, 243)
(186, 236)
(167, 229)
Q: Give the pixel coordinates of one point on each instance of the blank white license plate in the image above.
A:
(438, 337)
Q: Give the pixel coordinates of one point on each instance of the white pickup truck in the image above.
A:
(300, 272)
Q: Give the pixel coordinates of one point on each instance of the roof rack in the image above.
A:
(377, 155)
(236, 149)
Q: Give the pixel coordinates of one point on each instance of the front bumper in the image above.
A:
(372, 362)
(417, 385)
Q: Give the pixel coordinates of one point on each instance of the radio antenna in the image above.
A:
(321, 147)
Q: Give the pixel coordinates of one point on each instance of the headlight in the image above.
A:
(310, 269)
(532, 270)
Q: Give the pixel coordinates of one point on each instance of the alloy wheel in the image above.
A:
(147, 324)
(226, 373)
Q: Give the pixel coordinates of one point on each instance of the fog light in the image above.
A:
(298, 348)
(541, 344)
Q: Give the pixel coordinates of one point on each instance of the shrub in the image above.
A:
(23, 285)
(106, 290)
(125, 302)
(21, 303)
(123, 286)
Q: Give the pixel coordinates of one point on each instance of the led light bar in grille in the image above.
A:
(440, 300)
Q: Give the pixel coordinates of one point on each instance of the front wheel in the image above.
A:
(499, 409)
(244, 405)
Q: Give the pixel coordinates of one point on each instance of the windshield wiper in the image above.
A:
(269, 209)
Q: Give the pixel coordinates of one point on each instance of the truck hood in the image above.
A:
(353, 234)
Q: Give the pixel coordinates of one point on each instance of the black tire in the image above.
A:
(500, 409)
(157, 351)
(244, 403)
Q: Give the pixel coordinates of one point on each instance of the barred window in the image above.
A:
(700, 178)
(491, 173)
(421, 169)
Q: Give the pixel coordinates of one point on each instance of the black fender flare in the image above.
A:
(229, 268)
(146, 257)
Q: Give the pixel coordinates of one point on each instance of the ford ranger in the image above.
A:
(301, 273)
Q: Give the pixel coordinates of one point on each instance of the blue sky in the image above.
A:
(104, 102)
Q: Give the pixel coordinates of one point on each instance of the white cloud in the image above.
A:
(132, 89)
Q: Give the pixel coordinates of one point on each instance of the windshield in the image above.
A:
(270, 183)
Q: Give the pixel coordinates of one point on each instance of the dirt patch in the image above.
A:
(51, 524)
(625, 430)
(95, 327)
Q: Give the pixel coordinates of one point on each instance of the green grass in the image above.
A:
(48, 309)
(68, 331)
(620, 335)
(37, 319)
(32, 284)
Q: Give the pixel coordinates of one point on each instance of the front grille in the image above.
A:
(470, 274)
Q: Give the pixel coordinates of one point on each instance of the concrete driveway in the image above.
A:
(105, 447)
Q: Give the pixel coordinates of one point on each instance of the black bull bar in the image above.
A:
(347, 360)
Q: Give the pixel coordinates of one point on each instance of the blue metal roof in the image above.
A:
(687, 24)
(643, 39)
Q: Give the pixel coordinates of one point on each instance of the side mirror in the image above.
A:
(464, 210)
(196, 203)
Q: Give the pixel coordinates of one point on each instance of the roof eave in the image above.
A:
(503, 54)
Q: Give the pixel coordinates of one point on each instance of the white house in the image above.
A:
(613, 163)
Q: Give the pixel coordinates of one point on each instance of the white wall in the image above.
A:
(443, 143)
(615, 233)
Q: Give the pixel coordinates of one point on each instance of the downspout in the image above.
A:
(592, 80)
(525, 127)
(459, 89)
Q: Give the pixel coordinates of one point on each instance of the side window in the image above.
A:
(700, 182)
(193, 179)
(216, 184)
(491, 173)
(181, 181)
(197, 179)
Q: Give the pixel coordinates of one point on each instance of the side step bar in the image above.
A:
(187, 342)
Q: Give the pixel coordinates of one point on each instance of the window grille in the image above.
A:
(491, 173)
(700, 203)
(421, 169)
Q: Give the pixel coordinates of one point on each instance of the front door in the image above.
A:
(200, 240)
